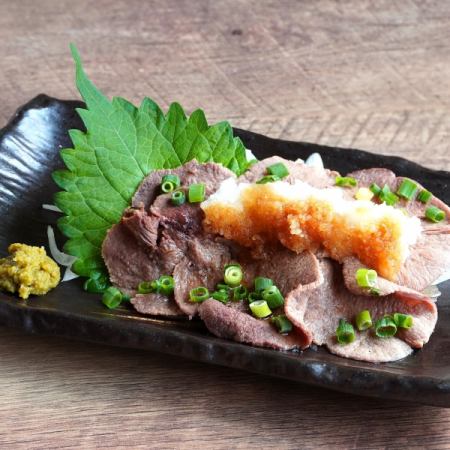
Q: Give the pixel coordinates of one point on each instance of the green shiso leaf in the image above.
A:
(123, 144)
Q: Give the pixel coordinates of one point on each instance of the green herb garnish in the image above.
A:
(121, 146)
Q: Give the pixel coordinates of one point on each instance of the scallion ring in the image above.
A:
(233, 275)
(363, 320)
(260, 309)
(387, 196)
(166, 285)
(239, 293)
(169, 183)
(97, 283)
(385, 327)
(112, 298)
(434, 214)
(222, 296)
(145, 287)
(345, 182)
(262, 283)
(403, 320)
(199, 294)
(283, 324)
(366, 278)
(196, 193)
(375, 188)
(345, 333)
(254, 296)
(278, 169)
(178, 198)
(424, 196)
(273, 297)
(407, 189)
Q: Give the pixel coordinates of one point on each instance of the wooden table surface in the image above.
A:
(372, 75)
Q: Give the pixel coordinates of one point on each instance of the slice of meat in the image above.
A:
(429, 258)
(192, 172)
(230, 323)
(156, 305)
(317, 311)
(385, 287)
(128, 260)
(202, 266)
(315, 176)
(143, 226)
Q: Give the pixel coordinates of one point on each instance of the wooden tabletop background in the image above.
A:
(372, 75)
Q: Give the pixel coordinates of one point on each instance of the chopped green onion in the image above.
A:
(166, 285)
(169, 183)
(196, 193)
(424, 196)
(112, 298)
(97, 283)
(345, 333)
(434, 214)
(262, 283)
(253, 296)
(403, 320)
(233, 275)
(345, 181)
(407, 189)
(126, 297)
(375, 291)
(178, 198)
(260, 309)
(221, 287)
(268, 179)
(283, 324)
(145, 287)
(239, 293)
(387, 196)
(279, 170)
(363, 320)
(221, 296)
(375, 188)
(366, 277)
(199, 294)
(273, 297)
(385, 327)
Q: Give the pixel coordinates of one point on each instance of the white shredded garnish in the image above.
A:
(432, 291)
(444, 277)
(249, 155)
(314, 160)
(61, 258)
(69, 275)
(51, 207)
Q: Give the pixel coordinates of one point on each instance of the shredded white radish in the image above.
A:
(61, 258)
(314, 160)
(51, 207)
(444, 277)
(249, 155)
(69, 275)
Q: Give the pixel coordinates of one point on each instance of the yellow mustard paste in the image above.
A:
(28, 270)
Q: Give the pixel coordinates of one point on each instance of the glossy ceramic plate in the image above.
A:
(29, 147)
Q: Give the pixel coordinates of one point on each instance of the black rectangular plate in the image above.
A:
(29, 147)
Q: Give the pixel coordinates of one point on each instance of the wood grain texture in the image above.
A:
(372, 75)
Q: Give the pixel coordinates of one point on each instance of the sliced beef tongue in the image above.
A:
(385, 287)
(202, 266)
(366, 177)
(317, 311)
(230, 323)
(315, 176)
(156, 305)
(428, 259)
(234, 321)
(129, 260)
(192, 172)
